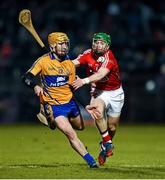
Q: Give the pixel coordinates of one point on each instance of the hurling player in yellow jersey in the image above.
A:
(57, 73)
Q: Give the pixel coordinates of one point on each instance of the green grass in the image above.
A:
(34, 151)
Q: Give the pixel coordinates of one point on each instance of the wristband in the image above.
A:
(86, 81)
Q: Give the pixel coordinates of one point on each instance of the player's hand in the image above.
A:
(93, 111)
(77, 83)
(38, 90)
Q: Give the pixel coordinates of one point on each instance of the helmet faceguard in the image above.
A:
(55, 40)
(101, 43)
(102, 36)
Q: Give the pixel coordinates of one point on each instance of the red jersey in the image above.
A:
(112, 80)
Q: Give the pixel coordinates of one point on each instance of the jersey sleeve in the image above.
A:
(36, 67)
(82, 58)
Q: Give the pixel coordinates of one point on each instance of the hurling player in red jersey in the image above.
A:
(107, 93)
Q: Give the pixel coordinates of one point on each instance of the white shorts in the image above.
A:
(114, 101)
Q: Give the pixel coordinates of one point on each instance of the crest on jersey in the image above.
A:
(60, 71)
(101, 59)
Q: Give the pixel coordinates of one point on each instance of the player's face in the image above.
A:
(61, 49)
(99, 46)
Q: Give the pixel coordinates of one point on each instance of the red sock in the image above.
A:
(106, 137)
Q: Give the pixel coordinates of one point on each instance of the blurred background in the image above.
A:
(137, 29)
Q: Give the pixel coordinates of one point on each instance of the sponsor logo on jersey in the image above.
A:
(56, 81)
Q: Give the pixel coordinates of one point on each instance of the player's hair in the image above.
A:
(57, 37)
(103, 36)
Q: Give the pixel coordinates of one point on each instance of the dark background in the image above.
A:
(137, 30)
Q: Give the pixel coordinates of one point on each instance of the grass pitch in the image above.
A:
(34, 151)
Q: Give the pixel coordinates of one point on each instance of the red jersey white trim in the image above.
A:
(112, 80)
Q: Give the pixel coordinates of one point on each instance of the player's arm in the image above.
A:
(100, 74)
(29, 78)
(81, 59)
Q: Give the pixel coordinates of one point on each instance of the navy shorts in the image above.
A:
(68, 110)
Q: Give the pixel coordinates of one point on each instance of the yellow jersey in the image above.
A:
(56, 76)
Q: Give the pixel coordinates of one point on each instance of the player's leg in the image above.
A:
(106, 145)
(112, 125)
(65, 127)
(115, 104)
(114, 101)
(100, 121)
